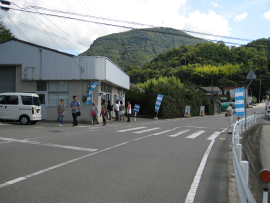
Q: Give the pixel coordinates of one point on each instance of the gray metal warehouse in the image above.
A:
(54, 75)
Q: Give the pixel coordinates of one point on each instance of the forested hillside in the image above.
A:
(142, 45)
(229, 65)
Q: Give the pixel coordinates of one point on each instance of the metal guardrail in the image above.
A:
(241, 167)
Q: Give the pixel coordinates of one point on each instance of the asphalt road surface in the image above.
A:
(174, 160)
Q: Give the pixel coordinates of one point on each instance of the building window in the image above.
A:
(57, 90)
(41, 86)
(106, 88)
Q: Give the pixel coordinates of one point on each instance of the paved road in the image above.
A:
(173, 160)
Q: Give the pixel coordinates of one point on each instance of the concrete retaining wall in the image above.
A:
(251, 153)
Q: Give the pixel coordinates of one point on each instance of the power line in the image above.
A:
(41, 27)
(44, 31)
(50, 36)
(20, 31)
(62, 31)
(139, 24)
(87, 26)
(86, 12)
(93, 7)
(126, 27)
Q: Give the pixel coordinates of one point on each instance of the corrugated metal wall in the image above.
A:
(42, 64)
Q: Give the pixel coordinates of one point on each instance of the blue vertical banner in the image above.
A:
(89, 97)
(239, 102)
(136, 108)
(158, 102)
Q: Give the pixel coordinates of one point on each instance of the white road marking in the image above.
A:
(214, 136)
(179, 133)
(49, 144)
(193, 126)
(194, 135)
(15, 181)
(147, 130)
(164, 131)
(5, 142)
(130, 129)
(196, 181)
(4, 124)
(65, 163)
(224, 130)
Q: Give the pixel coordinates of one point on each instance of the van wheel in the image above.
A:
(33, 122)
(24, 120)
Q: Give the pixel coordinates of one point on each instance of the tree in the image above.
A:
(5, 34)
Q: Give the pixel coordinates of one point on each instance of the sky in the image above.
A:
(238, 19)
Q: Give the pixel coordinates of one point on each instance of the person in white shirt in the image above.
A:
(229, 111)
(116, 108)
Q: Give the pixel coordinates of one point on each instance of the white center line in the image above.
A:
(194, 135)
(196, 181)
(147, 130)
(214, 136)
(130, 129)
(179, 133)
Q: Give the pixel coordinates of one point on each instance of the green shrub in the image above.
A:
(176, 96)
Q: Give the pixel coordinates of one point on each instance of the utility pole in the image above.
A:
(123, 53)
(212, 88)
(260, 88)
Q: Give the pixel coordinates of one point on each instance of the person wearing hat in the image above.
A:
(75, 105)
(60, 112)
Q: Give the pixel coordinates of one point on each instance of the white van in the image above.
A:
(23, 107)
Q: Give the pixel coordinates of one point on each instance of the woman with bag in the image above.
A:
(122, 111)
(61, 112)
(94, 113)
(103, 111)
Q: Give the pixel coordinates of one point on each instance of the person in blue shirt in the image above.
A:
(75, 105)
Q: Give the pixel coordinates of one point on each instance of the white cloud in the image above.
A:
(169, 13)
(215, 4)
(266, 15)
(207, 22)
(240, 17)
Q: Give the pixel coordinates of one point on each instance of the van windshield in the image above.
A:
(28, 100)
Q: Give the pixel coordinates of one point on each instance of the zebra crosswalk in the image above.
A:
(194, 135)
(179, 133)
(172, 133)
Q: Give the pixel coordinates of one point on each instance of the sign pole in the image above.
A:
(251, 75)
(246, 104)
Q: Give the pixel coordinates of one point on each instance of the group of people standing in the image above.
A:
(119, 109)
(106, 109)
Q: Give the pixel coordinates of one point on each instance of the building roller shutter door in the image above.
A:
(7, 79)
